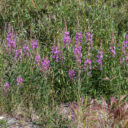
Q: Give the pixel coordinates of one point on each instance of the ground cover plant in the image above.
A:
(50, 55)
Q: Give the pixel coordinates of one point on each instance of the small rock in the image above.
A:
(12, 121)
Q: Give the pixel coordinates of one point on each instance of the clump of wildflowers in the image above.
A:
(71, 73)
(56, 53)
(86, 63)
(19, 81)
(100, 57)
(34, 45)
(67, 39)
(6, 86)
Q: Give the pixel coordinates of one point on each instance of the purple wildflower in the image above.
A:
(77, 53)
(26, 50)
(100, 58)
(56, 53)
(71, 73)
(125, 47)
(78, 38)
(112, 48)
(88, 62)
(37, 59)
(34, 45)
(6, 85)
(45, 64)
(19, 81)
(126, 37)
(67, 38)
(121, 60)
(124, 50)
(18, 54)
(89, 39)
(78, 47)
(11, 42)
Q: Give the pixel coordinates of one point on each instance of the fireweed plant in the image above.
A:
(77, 69)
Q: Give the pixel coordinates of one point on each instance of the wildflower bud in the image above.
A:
(71, 73)
(37, 59)
(88, 62)
(56, 53)
(19, 81)
(100, 58)
(6, 85)
(34, 45)
(45, 64)
(67, 38)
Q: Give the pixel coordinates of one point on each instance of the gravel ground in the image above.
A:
(7, 122)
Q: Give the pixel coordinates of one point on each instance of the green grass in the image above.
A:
(3, 123)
